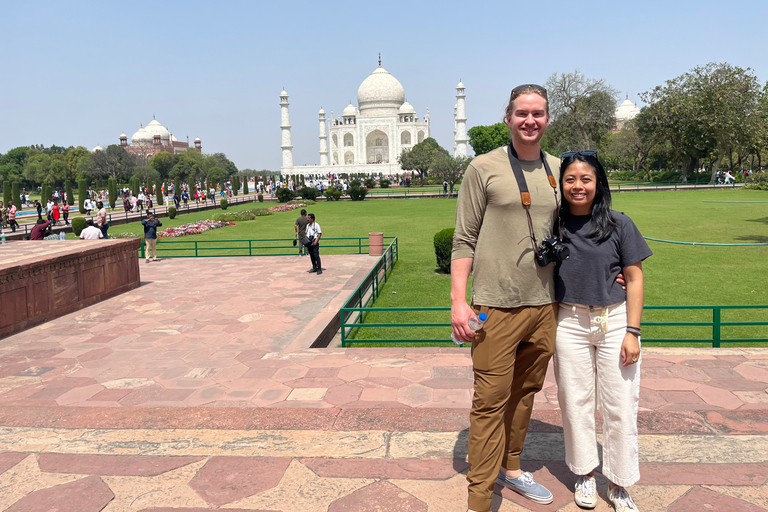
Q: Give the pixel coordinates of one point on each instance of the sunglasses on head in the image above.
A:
(581, 153)
(525, 87)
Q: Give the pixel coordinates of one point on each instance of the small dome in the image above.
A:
(283, 94)
(380, 91)
(350, 111)
(97, 148)
(321, 113)
(123, 136)
(174, 139)
(407, 108)
(197, 139)
(626, 111)
(460, 86)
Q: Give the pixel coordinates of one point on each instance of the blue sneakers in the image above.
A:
(527, 486)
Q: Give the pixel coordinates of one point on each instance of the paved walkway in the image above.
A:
(197, 391)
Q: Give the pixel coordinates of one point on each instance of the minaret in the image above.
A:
(460, 139)
(323, 139)
(285, 127)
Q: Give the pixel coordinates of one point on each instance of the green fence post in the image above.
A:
(716, 327)
(250, 249)
(141, 251)
(343, 336)
(195, 248)
(359, 246)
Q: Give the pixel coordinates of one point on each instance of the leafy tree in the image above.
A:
(420, 157)
(177, 186)
(216, 175)
(712, 109)
(163, 163)
(68, 191)
(582, 107)
(449, 168)
(115, 161)
(112, 189)
(7, 192)
(12, 163)
(76, 159)
(487, 138)
(15, 194)
(235, 184)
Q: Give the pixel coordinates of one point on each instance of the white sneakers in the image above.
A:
(621, 500)
(585, 493)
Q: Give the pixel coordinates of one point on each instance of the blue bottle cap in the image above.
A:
(482, 317)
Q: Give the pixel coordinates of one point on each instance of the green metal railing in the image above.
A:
(716, 325)
(261, 247)
(656, 186)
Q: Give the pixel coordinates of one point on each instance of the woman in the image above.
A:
(597, 350)
(65, 212)
(55, 214)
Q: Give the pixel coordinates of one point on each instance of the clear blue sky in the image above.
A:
(80, 73)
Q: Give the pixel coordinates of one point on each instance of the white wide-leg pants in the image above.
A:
(590, 376)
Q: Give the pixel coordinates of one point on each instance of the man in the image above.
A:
(300, 227)
(12, 216)
(90, 232)
(312, 238)
(511, 352)
(150, 235)
(39, 208)
(101, 219)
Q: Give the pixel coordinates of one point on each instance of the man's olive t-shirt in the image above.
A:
(492, 228)
(302, 223)
(588, 276)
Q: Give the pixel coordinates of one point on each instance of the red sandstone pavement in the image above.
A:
(197, 391)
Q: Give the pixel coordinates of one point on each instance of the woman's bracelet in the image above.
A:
(633, 330)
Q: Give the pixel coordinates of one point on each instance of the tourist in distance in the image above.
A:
(150, 235)
(12, 216)
(300, 229)
(65, 211)
(312, 243)
(91, 232)
(101, 219)
(597, 353)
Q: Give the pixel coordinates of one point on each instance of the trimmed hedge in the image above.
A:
(309, 193)
(357, 192)
(332, 194)
(223, 203)
(15, 193)
(384, 183)
(758, 181)
(243, 215)
(245, 186)
(443, 246)
(172, 212)
(82, 191)
(78, 225)
(112, 189)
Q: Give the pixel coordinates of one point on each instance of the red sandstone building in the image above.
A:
(154, 138)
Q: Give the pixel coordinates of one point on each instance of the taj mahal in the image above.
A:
(369, 138)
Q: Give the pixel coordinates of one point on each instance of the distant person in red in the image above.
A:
(39, 229)
(55, 213)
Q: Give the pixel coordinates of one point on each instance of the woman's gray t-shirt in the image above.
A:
(588, 276)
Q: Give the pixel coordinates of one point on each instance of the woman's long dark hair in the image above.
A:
(602, 219)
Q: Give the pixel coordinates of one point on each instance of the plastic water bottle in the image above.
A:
(475, 323)
(62, 236)
(2, 238)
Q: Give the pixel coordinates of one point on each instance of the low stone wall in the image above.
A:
(42, 280)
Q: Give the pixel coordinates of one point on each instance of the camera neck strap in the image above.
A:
(525, 195)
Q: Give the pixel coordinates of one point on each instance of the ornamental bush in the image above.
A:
(384, 183)
(82, 191)
(6, 192)
(236, 185)
(172, 212)
(309, 193)
(177, 187)
(68, 191)
(284, 194)
(370, 183)
(357, 192)
(16, 194)
(260, 198)
(243, 215)
(112, 189)
(443, 247)
(245, 186)
(223, 203)
(78, 225)
(757, 181)
(332, 194)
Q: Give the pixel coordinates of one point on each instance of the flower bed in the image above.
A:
(287, 207)
(194, 228)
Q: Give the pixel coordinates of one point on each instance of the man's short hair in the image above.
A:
(303, 211)
(525, 89)
(311, 216)
(89, 222)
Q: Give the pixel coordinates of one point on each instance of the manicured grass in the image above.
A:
(674, 275)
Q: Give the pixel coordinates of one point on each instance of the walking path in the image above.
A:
(198, 391)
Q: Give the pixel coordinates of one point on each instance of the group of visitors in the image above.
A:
(563, 294)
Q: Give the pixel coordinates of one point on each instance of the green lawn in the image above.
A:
(675, 275)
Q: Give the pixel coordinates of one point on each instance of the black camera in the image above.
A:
(552, 250)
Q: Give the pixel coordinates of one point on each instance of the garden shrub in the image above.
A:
(384, 183)
(357, 192)
(68, 191)
(303, 202)
(15, 194)
(6, 192)
(243, 215)
(260, 197)
(758, 181)
(81, 193)
(332, 194)
(245, 186)
(78, 225)
(284, 194)
(443, 247)
(235, 185)
(172, 212)
(112, 189)
(310, 193)
(370, 183)
(223, 203)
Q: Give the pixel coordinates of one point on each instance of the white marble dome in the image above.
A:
(626, 111)
(97, 148)
(155, 128)
(141, 136)
(407, 108)
(380, 91)
(349, 111)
